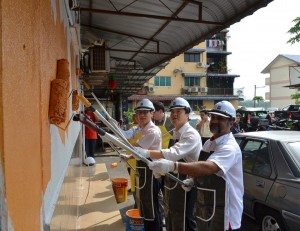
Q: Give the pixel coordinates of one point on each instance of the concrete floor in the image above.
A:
(110, 215)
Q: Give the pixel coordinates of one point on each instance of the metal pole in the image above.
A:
(254, 95)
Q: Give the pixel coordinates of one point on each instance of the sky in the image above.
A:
(257, 40)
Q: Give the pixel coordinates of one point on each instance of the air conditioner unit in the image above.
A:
(99, 59)
(194, 89)
(151, 89)
(203, 89)
(201, 65)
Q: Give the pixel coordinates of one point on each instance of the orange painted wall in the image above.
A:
(31, 45)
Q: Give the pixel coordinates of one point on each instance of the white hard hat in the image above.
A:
(145, 104)
(180, 103)
(225, 109)
(89, 161)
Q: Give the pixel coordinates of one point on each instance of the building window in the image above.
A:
(191, 57)
(191, 81)
(162, 81)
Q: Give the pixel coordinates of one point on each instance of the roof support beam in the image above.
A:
(165, 18)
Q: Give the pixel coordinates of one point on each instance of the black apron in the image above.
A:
(144, 187)
(177, 213)
(206, 207)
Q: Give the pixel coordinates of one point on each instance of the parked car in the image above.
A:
(271, 166)
(253, 119)
(291, 112)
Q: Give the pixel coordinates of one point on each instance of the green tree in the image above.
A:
(296, 97)
(295, 31)
(258, 99)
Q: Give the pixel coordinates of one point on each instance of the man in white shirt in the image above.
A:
(179, 204)
(218, 173)
(147, 186)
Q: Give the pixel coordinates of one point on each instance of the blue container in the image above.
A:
(134, 222)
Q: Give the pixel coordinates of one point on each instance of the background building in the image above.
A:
(199, 75)
(284, 80)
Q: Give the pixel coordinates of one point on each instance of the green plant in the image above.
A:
(296, 97)
(128, 115)
(258, 99)
(295, 31)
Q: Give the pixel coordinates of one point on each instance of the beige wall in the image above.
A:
(33, 38)
(177, 79)
(280, 96)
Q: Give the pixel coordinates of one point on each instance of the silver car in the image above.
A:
(271, 165)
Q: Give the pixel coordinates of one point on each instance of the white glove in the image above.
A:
(161, 166)
(156, 175)
(188, 183)
(142, 152)
(125, 157)
(113, 122)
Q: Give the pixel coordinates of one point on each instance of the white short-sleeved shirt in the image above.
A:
(188, 146)
(130, 133)
(227, 155)
(150, 137)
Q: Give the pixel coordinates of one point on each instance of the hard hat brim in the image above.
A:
(220, 114)
(143, 109)
(177, 107)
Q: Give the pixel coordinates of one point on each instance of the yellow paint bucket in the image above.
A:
(120, 189)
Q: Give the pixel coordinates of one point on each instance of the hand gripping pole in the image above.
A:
(80, 117)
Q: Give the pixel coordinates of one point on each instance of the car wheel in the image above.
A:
(271, 221)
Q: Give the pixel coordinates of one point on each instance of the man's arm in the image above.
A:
(198, 168)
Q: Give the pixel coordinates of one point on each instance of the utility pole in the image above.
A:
(254, 95)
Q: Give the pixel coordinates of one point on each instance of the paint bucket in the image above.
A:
(120, 189)
(134, 222)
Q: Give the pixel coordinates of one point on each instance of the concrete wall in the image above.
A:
(34, 154)
(280, 96)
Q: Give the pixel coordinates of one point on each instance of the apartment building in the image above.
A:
(199, 75)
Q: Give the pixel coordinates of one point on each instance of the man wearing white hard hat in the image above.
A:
(218, 174)
(147, 185)
(179, 202)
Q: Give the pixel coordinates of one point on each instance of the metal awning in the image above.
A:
(218, 52)
(199, 75)
(222, 75)
(195, 50)
(142, 36)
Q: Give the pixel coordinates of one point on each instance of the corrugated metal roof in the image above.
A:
(142, 35)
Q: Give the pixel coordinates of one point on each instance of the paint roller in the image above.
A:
(109, 125)
(110, 119)
(80, 117)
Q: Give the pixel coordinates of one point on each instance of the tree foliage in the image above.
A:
(258, 99)
(296, 97)
(295, 31)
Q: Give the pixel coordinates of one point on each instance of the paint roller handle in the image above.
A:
(95, 97)
(84, 101)
(90, 124)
